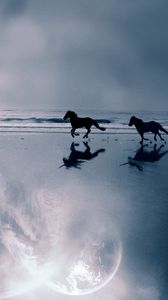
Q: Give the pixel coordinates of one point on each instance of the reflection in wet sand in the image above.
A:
(76, 157)
(65, 232)
(146, 155)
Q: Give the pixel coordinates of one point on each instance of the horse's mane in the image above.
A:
(72, 113)
(140, 120)
(137, 119)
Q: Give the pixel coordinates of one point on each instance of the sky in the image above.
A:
(84, 54)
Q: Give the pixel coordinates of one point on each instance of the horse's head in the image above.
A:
(69, 114)
(132, 121)
(69, 163)
(66, 162)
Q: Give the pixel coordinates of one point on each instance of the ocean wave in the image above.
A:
(53, 121)
(33, 120)
(44, 120)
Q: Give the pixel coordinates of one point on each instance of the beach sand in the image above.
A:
(104, 202)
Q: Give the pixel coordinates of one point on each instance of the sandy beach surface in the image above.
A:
(81, 218)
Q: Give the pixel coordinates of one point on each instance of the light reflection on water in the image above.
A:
(67, 229)
(66, 257)
(49, 235)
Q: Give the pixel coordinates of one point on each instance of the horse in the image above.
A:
(143, 127)
(77, 122)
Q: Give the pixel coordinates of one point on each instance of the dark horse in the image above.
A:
(76, 157)
(143, 127)
(77, 122)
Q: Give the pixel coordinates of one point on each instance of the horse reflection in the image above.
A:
(76, 158)
(143, 155)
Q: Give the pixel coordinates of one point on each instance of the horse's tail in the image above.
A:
(162, 129)
(97, 125)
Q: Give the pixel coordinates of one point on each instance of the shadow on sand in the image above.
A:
(142, 155)
(76, 158)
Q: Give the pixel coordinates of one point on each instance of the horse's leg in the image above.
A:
(155, 136)
(160, 136)
(142, 138)
(86, 135)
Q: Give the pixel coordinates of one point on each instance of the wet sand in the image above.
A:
(104, 201)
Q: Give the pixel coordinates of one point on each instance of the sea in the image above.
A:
(78, 219)
(52, 120)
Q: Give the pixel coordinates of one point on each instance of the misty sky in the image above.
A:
(84, 54)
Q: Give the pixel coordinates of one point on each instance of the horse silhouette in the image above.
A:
(77, 122)
(143, 155)
(76, 158)
(143, 127)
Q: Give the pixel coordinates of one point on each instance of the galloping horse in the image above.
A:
(143, 127)
(77, 122)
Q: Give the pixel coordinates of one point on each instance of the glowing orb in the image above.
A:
(66, 250)
(89, 270)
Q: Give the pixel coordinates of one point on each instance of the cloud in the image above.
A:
(12, 8)
(110, 55)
